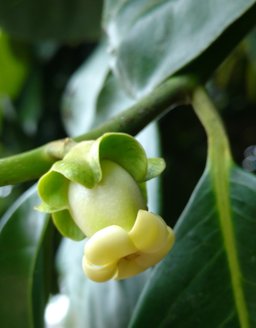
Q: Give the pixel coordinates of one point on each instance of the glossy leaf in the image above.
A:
(80, 97)
(152, 40)
(55, 20)
(208, 280)
(21, 234)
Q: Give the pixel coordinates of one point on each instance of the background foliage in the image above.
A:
(67, 67)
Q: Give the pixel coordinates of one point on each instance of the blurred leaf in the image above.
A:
(208, 280)
(8, 194)
(21, 234)
(30, 105)
(13, 67)
(69, 21)
(152, 40)
(80, 97)
(250, 44)
(112, 100)
(226, 74)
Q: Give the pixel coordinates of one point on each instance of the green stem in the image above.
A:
(133, 120)
(218, 144)
(32, 164)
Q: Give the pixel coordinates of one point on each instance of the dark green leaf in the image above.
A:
(55, 20)
(152, 40)
(30, 106)
(251, 70)
(208, 280)
(21, 233)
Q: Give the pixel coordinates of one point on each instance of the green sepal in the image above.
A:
(80, 165)
(124, 150)
(143, 190)
(77, 165)
(155, 167)
(66, 225)
(45, 208)
(53, 190)
(77, 171)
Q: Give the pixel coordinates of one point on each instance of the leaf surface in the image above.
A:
(208, 280)
(151, 40)
(80, 97)
(21, 233)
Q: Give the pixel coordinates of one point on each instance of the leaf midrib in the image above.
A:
(220, 176)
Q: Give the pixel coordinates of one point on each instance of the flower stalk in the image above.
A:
(32, 164)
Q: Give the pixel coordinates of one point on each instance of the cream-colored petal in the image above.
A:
(114, 253)
(149, 232)
(146, 260)
(99, 273)
(140, 261)
(108, 245)
(127, 268)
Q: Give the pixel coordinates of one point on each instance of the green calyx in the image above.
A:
(98, 183)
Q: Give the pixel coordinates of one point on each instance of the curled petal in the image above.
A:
(115, 253)
(108, 245)
(129, 267)
(146, 260)
(146, 257)
(99, 273)
(149, 232)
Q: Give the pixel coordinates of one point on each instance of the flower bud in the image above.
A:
(115, 199)
(98, 190)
